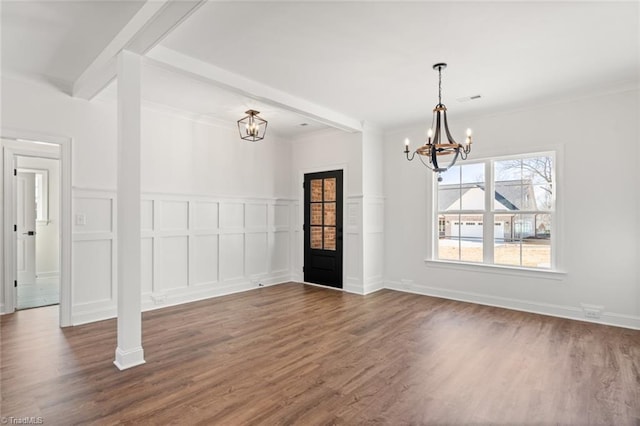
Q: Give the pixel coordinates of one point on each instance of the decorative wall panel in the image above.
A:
(256, 254)
(231, 215)
(205, 215)
(174, 263)
(192, 247)
(231, 256)
(92, 272)
(174, 215)
(205, 259)
(96, 213)
(255, 216)
(146, 272)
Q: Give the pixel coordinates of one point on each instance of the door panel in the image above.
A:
(26, 240)
(323, 228)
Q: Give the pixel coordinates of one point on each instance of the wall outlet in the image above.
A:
(159, 298)
(592, 311)
(406, 284)
(255, 281)
(81, 219)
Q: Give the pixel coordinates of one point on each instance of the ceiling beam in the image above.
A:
(154, 20)
(252, 89)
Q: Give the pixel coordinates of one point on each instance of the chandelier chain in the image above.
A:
(440, 85)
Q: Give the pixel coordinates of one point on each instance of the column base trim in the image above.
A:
(127, 359)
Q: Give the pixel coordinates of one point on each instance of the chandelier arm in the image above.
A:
(434, 157)
(425, 164)
(436, 133)
(453, 162)
(446, 129)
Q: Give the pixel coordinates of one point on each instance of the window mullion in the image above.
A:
(488, 216)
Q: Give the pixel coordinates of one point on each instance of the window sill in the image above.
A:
(498, 269)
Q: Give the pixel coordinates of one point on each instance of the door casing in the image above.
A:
(33, 144)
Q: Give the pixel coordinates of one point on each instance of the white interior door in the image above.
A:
(26, 244)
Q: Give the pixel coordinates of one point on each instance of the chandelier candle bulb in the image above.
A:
(406, 145)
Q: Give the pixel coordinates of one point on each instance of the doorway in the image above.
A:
(38, 230)
(44, 162)
(323, 228)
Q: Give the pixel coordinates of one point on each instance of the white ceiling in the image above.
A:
(57, 40)
(368, 60)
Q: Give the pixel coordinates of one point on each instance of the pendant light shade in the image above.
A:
(252, 128)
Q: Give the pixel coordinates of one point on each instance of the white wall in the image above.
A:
(47, 233)
(322, 151)
(186, 157)
(328, 150)
(42, 108)
(216, 211)
(360, 156)
(597, 140)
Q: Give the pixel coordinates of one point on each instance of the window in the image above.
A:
(515, 194)
(42, 193)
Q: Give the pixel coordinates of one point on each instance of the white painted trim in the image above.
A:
(8, 235)
(40, 140)
(96, 310)
(151, 23)
(175, 61)
(498, 269)
(127, 218)
(47, 274)
(156, 195)
(130, 358)
(560, 311)
(179, 296)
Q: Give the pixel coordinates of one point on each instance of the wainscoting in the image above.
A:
(363, 244)
(193, 247)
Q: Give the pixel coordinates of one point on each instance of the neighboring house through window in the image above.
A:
(515, 194)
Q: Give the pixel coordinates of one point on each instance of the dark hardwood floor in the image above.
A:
(296, 354)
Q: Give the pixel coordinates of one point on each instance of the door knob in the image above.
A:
(29, 233)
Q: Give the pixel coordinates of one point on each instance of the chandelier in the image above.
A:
(252, 128)
(435, 146)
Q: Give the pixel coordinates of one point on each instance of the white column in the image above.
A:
(129, 352)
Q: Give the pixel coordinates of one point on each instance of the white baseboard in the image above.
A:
(373, 284)
(93, 315)
(355, 288)
(48, 274)
(107, 310)
(561, 311)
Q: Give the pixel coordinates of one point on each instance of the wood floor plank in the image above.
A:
(297, 354)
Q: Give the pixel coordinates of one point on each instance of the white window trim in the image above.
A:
(555, 272)
(518, 271)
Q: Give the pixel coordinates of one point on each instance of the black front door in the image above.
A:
(323, 228)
